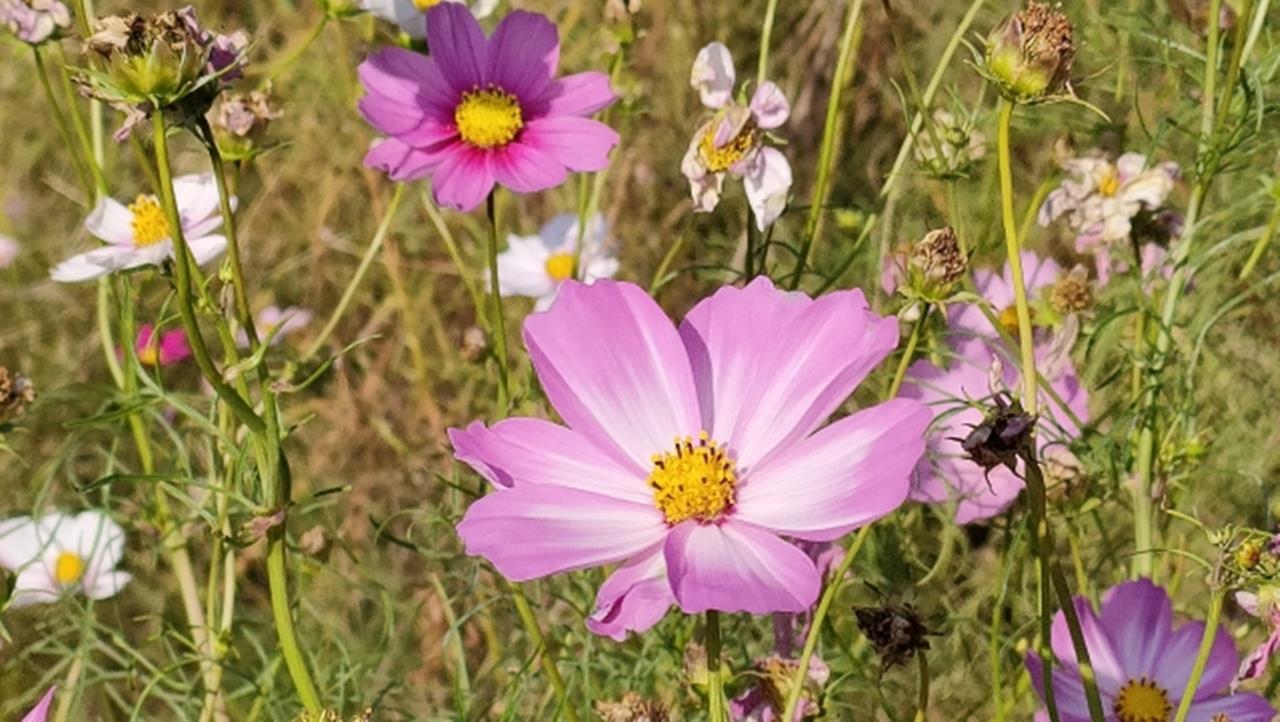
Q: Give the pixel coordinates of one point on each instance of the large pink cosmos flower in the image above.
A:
(688, 453)
(483, 111)
(1143, 663)
(957, 395)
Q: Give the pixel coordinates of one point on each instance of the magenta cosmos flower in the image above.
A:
(1143, 663)
(479, 111)
(689, 453)
(167, 350)
(40, 712)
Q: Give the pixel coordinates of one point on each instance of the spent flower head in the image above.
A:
(1029, 55)
(948, 147)
(240, 122)
(16, 394)
(766, 699)
(35, 21)
(631, 708)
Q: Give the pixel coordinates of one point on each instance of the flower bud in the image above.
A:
(948, 148)
(35, 21)
(1030, 54)
(240, 122)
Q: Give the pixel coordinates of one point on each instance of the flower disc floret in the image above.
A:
(1142, 700)
(149, 223)
(695, 481)
(489, 118)
(720, 158)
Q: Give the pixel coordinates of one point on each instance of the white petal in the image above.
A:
(19, 543)
(33, 585)
(522, 269)
(770, 106)
(483, 8)
(1150, 188)
(207, 248)
(603, 266)
(560, 232)
(95, 537)
(713, 75)
(98, 263)
(1130, 165)
(197, 198)
(768, 184)
(106, 585)
(111, 222)
(401, 12)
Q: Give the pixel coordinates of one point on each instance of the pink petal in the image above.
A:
(613, 367)
(40, 712)
(846, 475)
(1241, 707)
(401, 162)
(174, 347)
(737, 567)
(580, 94)
(1138, 619)
(581, 144)
(1068, 691)
(1112, 674)
(771, 366)
(397, 77)
(524, 168)
(534, 451)
(713, 75)
(1173, 666)
(463, 177)
(633, 599)
(533, 530)
(770, 106)
(458, 46)
(523, 53)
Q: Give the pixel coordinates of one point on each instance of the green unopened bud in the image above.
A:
(1030, 54)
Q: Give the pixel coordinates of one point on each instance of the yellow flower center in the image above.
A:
(425, 5)
(1141, 700)
(149, 224)
(560, 266)
(695, 481)
(149, 355)
(68, 568)
(1008, 319)
(724, 157)
(488, 118)
(1109, 182)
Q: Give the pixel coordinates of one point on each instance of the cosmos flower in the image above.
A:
(997, 288)
(168, 350)
(9, 249)
(765, 700)
(958, 395)
(62, 553)
(411, 16)
(40, 712)
(479, 112)
(139, 235)
(732, 141)
(278, 321)
(34, 21)
(688, 453)
(1143, 663)
(1265, 605)
(535, 266)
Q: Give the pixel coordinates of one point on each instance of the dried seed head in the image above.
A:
(1072, 292)
(16, 394)
(1004, 433)
(895, 631)
(632, 708)
(938, 259)
(1030, 54)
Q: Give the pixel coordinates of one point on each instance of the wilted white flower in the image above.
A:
(732, 141)
(34, 21)
(535, 266)
(411, 15)
(139, 235)
(278, 321)
(58, 554)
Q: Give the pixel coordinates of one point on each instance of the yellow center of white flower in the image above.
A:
(149, 223)
(149, 355)
(1109, 182)
(425, 4)
(724, 157)
(488, 118)
(68, 568)
(560, 266)
(1142, 700)
(695, 481)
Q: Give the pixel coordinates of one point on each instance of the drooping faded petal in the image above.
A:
(768, 185)
(770, 106)
(634, 598)
(737, 567)
(713, 75)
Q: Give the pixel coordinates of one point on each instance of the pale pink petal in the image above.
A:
(402, 162)
(525, 168)
(713, 75)
(40, 712)
(634, 598)
(523, 53)
(198, 201)
(580, 144)
(768, 185)
(844, 476)
(1173, 666)
(207, 248)
(770, 106)
(532, 530)
(458, 46)
(580, 94)
(771, 366)
(1240, 707)
(533, 451)
(736, 567)
(463, 176)
(1138, 619)
(111, 222)
(99, 262)
(612, 364)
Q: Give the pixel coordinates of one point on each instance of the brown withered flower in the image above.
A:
(1030, 54)
(632, 708)
(1072, 293)
(1005, 432)
(16, 394)
(938, 258)
(895, 631)
(240, 121)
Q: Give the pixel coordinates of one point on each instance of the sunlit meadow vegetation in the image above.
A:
(926, 317)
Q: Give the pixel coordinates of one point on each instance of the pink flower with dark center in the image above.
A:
(479, 112)
(168, 350)
(1143, 663)
(691, 454)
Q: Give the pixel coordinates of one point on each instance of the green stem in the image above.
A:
(64, 129)
(244, 313)
(91, 159)
(827, 152)
(499, 323)
(766, 35)
(1030, 397)
(278, 581)
(922, 691)
(716, 711)
(820, 616)
(1260, 247)
(451, 246)
(908, 353)
(366, 261)
(545, 654)
(1202, 656)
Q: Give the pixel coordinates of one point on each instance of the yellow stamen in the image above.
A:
(149, 223)
(695, 481)
(560, 266)
(1009, 319)
(1142, 700)
(149, 355)
(488, 118)
(68, 568)
(726, 156)
(425, 5)
(1109, 182)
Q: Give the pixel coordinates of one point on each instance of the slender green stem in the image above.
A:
(819, 617)
(498, 318)
(716, 703)
(766, 36)
(922, 689)
(1030, 397)
(455, 255)
(908, 353)
(277, 577)
(749, 257)
(366, 261)
(827, 152)
(1259, 19)
(60, 120)
(1202, 656)
(1264, 241)
(545, 654)
(244, 314)
(660, 275)
(1044, 596)
(68, 689)
(91, 160)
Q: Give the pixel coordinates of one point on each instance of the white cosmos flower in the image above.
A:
(278, 321)
(1100, 198)
(8, 250)
(732, 141)
(411, 15)
(138, 234)
(535, 266)
(63, 553)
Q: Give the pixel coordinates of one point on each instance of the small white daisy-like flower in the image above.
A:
(9, 249)
(276, 323)
(139, 235)
(535, 266)
(58, 554)
(732, 141)
(411, 15)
